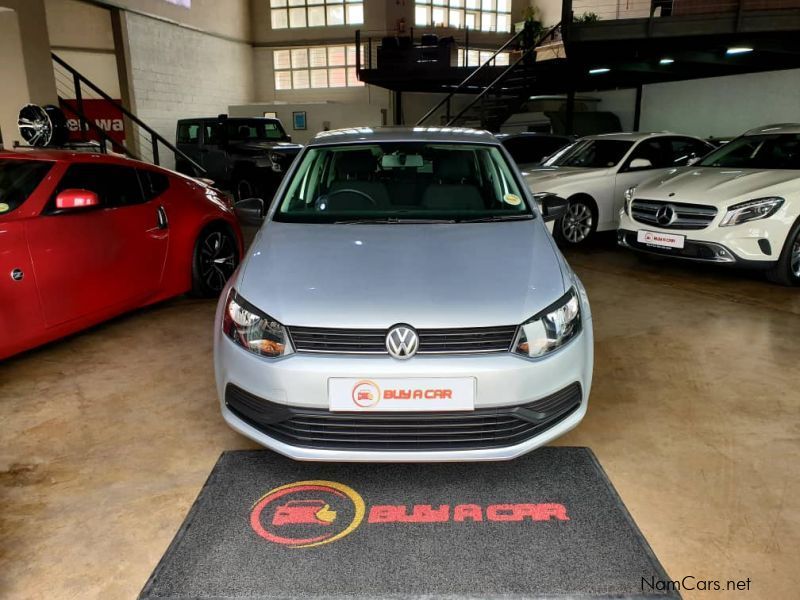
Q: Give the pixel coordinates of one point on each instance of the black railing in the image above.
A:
(141, 142)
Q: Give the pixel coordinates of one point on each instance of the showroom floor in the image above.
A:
(107, 437)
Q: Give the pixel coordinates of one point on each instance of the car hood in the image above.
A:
(256, 147)
(548, 179)
(374, 276)
(717, 186)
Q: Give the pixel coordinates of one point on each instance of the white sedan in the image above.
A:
(739, 206)
(594, 172)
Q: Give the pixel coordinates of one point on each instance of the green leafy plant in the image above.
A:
(587, 17)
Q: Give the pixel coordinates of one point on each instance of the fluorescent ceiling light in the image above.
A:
(666, 61)
(738, 50)
(599, 70)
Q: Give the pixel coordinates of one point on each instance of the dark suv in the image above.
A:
(246, 155)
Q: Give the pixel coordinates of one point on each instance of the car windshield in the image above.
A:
(255, 130)
(777, 151)
(593, 154)
(18, 179)
(402, 182)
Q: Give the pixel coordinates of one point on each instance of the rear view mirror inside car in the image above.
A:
(399, 161)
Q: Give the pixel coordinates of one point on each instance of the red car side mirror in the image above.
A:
(75, 199)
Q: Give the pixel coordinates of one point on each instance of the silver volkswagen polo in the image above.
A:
(403, 301)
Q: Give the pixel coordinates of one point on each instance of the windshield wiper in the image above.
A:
(391, 220)
(497, 218)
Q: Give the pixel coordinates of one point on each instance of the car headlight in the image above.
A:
(628, 196)
(254, 330)
(751, 210)
(551, 328)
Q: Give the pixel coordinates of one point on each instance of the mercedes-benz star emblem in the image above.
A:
(665, 215)
(402, 342)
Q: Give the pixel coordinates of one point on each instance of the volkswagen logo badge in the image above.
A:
(665, 215)
(402, 342)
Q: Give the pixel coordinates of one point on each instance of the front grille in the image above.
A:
(431, 341)
(687, 216)
(482, 428)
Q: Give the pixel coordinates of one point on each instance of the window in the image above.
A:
(532, 149)
(656, 151)
(484, 15)
(593, 154)
(188, 133)
(685, 149)
(393, 181)
(294, 14)
(316, 67)
(115, 185)
(153, 183)
(18, 180)
(475, 58)
(774, 151)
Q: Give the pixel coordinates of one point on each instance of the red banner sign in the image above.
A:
(102, 113)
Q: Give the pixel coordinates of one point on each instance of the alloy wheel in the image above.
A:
(217, 260)
(576, 225)
(794, 260)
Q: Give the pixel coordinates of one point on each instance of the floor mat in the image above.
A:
(547, 525)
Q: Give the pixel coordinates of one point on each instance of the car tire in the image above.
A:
(578, 224)
(215, 258)
(787, 270)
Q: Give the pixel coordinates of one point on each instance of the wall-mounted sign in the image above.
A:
(101, 113)
(299, 119)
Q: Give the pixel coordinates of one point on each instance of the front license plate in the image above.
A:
(663, 240)
(428, 394)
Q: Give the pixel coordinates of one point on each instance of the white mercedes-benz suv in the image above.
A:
(738, 206)
(404, 301)
(594, 172)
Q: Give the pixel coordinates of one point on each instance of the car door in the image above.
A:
(656, 150)
(101, 259)
(214, 156)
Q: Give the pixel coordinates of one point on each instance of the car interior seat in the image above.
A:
(454, 186)
(355, 170)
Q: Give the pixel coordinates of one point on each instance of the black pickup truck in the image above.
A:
(246, 155)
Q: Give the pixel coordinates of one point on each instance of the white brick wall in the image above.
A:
(180, 73)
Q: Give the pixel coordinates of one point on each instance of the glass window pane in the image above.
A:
(473, 3)
(471, 19)
(335, 56)
(504, 6)
(487, 21)
(281, 59)
(355, 14)
(319, 78)
(300, 79)
(277, 3)
(504, 23)
(502, 59)
(456, 18)
(337, 77)
(438, 16)
(283, 80)
(456, 3)
(421, 15)
(280, 19)
(299, 58)
(316, 16)
(297, 2)
(335, 15)
(352, 78)
(488, 4)
(312, 2)
(317, 57)
(351, 55)
(473, 58)
(297, 17)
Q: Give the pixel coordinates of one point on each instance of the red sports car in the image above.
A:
(85, 237)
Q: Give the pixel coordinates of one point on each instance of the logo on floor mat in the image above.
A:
(312, 513)
(307, 513)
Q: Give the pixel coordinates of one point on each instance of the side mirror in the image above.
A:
(250, 211)
(553, 207)
(76, 199)
(640, 163)
(288, 138)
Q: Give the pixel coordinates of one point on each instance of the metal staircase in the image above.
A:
(141, 141)
(501, 98)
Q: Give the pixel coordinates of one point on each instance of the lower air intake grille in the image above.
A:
(482, 428)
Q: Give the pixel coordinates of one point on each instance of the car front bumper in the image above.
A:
(754, 245)
(504, 384)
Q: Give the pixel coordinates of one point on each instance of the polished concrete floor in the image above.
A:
(107, 437)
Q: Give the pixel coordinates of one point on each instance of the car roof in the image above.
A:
(530, 134)
(402, 134)
(631, 136)
(217, 118)
(71, 156)
(776, 128)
